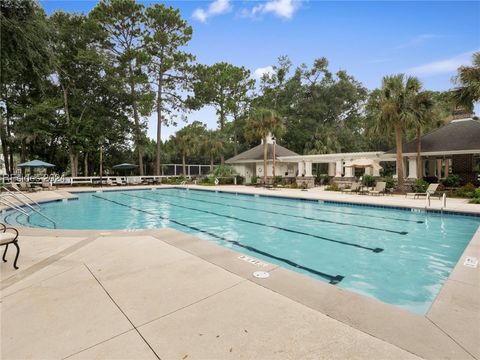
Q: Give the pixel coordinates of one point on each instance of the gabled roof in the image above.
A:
(458, 135)
(256, 154)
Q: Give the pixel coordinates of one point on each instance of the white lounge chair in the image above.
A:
(379, 188)
(353, 188)
(431, 190)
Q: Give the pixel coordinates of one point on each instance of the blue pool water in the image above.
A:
(399, 257)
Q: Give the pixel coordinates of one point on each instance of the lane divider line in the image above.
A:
(375, 250)
(333, 279)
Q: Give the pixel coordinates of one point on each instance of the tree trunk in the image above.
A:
(136, 120)
(398, 143)
(85, 164)
(265, 150)
(222, 159)
(101, 160)
(273, 164)
(67, 116)
(184, 164)
(159, 124)
(419, 150)
(211, 162)
(235, 145)
(3, 139)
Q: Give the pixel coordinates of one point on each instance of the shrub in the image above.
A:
(277, 180)
(254, 179)
(368, 180)
(420, 185)
(452, 181)
(475, 200)
(466, 191)
(207, 181)
(389, 182)
(223, 171)
(240, 180)
(333, 187)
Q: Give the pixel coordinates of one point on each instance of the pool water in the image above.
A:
(399, 257)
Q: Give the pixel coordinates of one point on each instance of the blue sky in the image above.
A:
(368, 39)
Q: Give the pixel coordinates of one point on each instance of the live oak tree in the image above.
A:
(167, 34)
(24, 66)
(123, 24)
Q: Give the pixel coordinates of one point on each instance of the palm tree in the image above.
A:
(468, 78)
(423, 116)
(261, 124)
(187, 140)
(395, 111)
(213, 145)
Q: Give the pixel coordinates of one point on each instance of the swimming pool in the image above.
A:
(399, 257)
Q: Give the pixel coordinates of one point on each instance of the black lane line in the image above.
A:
(333, 279)
(291, 215)
(375, 250)
(296, 207)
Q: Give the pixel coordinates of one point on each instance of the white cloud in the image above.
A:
(282, 8)
(417, 40)
(262, 71)
(217, 7)
(442, 66)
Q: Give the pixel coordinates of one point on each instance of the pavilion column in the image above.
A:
(376, 169)
(301, 168)
(431, 167)
(308, 168)
(331, 169)
(412, 168)
(439, 168)
(349, 172)
(339, 169)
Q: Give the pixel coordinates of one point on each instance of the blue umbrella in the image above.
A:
(35, 164)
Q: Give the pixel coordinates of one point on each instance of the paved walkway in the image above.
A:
(137, 297)
(165, 294)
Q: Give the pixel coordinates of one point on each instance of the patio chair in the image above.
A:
(379, 188)
(118, 181)
(431, 190)
(46, 185)
(353, 188)
(7, 238)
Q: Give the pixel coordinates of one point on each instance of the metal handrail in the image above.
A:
(18, 208)
(13, 205)
(21, 193)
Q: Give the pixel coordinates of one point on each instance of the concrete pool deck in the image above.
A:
(163, 293)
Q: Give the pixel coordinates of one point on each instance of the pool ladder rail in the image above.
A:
(22, 206)
(444, 202)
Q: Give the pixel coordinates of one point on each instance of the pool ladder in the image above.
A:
(6, 199)
(444, 202)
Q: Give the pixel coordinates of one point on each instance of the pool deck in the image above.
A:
(166, 294)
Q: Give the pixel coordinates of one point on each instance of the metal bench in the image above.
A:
(7, 238)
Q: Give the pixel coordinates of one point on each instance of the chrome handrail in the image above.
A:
(21, 193)
(18, 208)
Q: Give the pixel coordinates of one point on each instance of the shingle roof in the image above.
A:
(456, 136)
(256, 154)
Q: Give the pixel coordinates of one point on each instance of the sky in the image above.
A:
(368, 39)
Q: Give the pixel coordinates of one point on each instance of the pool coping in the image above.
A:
(434, 335)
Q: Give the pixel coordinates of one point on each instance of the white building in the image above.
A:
(250, 162)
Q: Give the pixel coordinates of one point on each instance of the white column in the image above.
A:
(349, 172)
(439, 168)
(368, 171)
(431, 167)
(412, 168)
(338, 169)
(301, 168)
(331, 169)
(308, 168)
